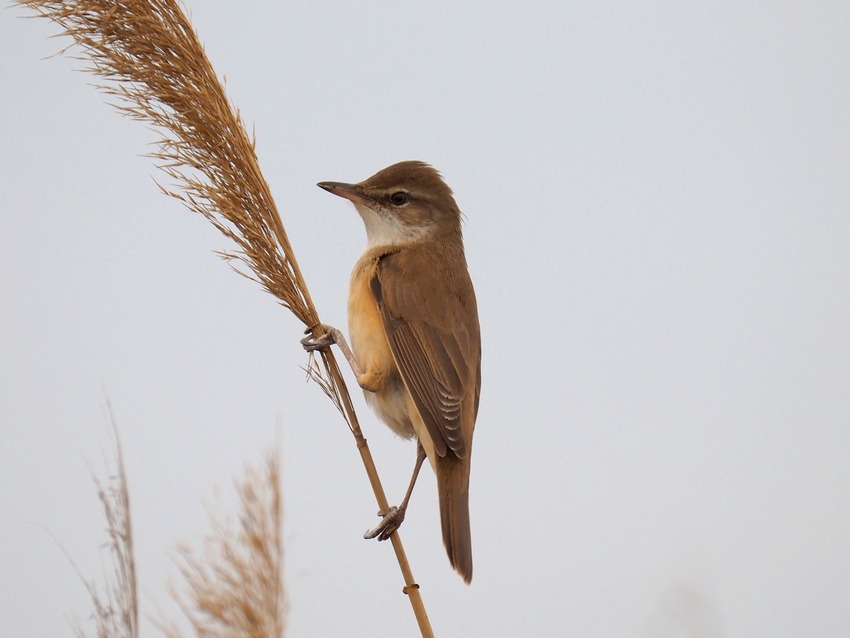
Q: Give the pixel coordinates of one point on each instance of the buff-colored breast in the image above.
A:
(381, 382)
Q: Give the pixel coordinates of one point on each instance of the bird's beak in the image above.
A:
(348, 191)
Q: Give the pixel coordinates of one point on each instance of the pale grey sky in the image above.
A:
(658, 206)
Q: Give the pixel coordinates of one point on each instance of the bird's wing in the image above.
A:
(434, 338)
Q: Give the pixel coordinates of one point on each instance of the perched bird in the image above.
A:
(415, 339)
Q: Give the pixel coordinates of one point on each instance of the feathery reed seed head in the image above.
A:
(156, 66)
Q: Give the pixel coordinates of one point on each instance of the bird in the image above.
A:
(415, 335)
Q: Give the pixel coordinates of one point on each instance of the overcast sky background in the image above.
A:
(658, 226)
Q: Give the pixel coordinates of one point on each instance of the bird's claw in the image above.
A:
(324, 340)
(391, 521)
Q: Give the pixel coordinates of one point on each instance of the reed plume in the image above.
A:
(116, 607)
(155, 65)
(157, 68)
(234, 587)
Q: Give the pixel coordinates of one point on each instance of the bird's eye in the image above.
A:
(399, 198)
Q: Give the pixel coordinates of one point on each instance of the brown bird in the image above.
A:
(413, 322)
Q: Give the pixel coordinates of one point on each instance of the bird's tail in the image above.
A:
(453, 477)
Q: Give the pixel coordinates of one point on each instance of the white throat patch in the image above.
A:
(389, 230)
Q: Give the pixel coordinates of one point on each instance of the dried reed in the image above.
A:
(235, 585)
(116, 609)
(156, 66)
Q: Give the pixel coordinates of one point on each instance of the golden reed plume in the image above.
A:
(154, 63)
(157, 67)
(235, 586)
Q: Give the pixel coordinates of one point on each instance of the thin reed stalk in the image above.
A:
(155, 65)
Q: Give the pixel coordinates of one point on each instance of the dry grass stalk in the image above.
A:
(116, 609)
(234, 587)
(156, 66)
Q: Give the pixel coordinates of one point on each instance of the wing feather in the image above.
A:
(435, 343)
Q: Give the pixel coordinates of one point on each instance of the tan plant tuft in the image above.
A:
(234, 586)
(116, 608)
(157, 68)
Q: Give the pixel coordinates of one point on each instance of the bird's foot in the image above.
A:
(392, 520)
(328, 335)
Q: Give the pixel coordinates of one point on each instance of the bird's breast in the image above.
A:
(372, 351)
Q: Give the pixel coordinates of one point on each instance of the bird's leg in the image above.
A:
(329, 337)
(372, 381)
(393, 519)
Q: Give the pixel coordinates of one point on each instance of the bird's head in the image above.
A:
(406, 203)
